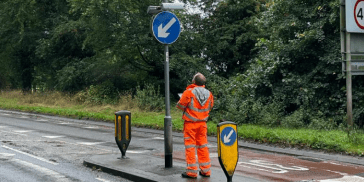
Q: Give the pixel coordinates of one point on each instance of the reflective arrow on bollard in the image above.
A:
(228, 152)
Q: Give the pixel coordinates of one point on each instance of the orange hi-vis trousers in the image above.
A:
(195, 136)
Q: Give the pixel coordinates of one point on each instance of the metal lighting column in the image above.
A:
(168, 145)
(346, 51)
(349, 104)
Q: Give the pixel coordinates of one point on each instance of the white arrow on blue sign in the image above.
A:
(228, 136)
(166, 27)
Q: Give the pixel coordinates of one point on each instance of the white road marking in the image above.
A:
(103, 180)
(43, 170)
(345, 179)
(274, 170)
(214, 155)
(250, 167)
(30, 155)
(158, 138)
(64, 123)
(24, 117)
(13, 133)
(6, 156)
(3, 126)
(277, 167)
(344, 174)
(52, 137)
(23, 131)
(42, 120)
(90, 143)
(155, 138)
(137, 151)
(91, 127)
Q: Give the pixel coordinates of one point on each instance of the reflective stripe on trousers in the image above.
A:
(195, 136)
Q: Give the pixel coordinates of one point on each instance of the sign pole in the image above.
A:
(168, 145)
(349, 102)
(166, 29)
(346, 51)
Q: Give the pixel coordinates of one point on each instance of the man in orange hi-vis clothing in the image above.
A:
(196, 103)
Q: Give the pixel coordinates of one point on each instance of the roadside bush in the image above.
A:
(295, 120)
(149, 98)
(355, 135)
(322, 124)
(105, 93)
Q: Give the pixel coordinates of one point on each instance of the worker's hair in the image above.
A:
(199, 79)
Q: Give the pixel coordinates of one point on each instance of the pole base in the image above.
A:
(169, 161)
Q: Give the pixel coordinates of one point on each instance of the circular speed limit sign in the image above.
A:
(359, 14)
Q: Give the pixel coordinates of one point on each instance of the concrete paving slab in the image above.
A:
(149, 168)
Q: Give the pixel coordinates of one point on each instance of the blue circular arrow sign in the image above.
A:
(166, 27)
(228, 136)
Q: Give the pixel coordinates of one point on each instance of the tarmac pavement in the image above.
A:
(150, 168)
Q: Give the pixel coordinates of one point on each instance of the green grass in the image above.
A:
(332, 141)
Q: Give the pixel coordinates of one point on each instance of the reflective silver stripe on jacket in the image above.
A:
(181, 106)
(202, 146)
(186, 138)
(190, 146)
(199, 110)
(194, 119)
(192, 165)
(205, 164)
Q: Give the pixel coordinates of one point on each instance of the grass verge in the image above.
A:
(58, 104)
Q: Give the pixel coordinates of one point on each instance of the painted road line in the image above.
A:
(23, 131)
(214, 155)
(53, 137)
(6, 156)
(30, 155)
(276, 168)
(46, 171)
(103, 180)
(64, 123)
(255, 168)
(272, 169)
(154, 138)
(24, 117)
(13, 133)
(137, 151)
(3, 126)
(91, 127)
(41, 120)
(89, 143)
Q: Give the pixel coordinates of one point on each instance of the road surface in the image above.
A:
(37, 147)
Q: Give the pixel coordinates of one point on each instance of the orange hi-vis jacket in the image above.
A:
(196, 102)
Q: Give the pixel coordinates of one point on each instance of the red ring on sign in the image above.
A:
(356, 20)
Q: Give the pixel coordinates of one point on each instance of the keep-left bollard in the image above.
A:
(123, 131)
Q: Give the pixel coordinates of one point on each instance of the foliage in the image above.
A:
(149, 98)
(230, 35)
(269, 62)
(333, 141)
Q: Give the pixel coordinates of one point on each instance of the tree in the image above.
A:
(230, 34)
(23, 23)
